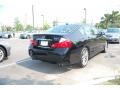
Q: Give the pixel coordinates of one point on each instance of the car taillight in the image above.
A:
(63, 43)
(33, 42)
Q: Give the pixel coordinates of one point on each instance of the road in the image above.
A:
(20, 69)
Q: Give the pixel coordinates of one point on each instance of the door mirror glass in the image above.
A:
(101, 33)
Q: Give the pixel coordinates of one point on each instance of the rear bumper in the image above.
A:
(49, 56)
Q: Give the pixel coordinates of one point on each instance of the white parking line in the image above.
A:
(20, 61)
(7, 65)
(98, 81)
(11, 64)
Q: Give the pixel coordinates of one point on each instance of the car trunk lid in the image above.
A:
(45, 41)
(51, 41)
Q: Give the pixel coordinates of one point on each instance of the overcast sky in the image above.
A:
(62, 10)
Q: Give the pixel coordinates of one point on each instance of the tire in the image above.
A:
(105, 47)
(9, 36)
(2, 54)
(84, 57)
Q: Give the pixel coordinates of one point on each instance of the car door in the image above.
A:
(100, 40)
(92, 40)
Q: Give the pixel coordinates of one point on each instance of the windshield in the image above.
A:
(113, 31)
(64, 29)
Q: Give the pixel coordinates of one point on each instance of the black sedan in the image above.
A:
(70, 43)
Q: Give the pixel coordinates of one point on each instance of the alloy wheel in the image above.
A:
(84, 56)
(1, 54)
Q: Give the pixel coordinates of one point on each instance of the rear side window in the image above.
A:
(90, 31)
(81, 30)
(87, 30)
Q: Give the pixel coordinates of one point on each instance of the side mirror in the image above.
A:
(101, 33)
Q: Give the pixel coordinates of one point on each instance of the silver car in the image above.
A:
(4, 50)
(28, 34)
(113, 35)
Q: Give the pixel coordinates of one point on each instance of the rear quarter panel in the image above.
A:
(79, 41)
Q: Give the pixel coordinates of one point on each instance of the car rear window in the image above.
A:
(64, 29)
(116, 30)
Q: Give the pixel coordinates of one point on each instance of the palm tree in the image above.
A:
(114, 16)
(106, 20)
(110, 20)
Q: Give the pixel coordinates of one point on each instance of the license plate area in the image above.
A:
(43, 43)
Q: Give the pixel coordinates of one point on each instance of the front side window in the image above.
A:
(93, 31)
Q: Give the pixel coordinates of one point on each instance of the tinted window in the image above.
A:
(87, 30)
(94, 31)
(81, 30)
(64, 29)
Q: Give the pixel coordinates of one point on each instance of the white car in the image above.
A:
(28, 34)
(6, 35)
(4, 50)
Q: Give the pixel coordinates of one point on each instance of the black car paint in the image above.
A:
(94, 43)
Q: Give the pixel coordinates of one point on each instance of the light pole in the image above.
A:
(43, 21)
(85, 14)
(33, 15)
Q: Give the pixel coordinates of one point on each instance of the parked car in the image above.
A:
(4, 50)
(67, 44)
(113, 35)
(28, 34)
(5, 34)
(1, 34)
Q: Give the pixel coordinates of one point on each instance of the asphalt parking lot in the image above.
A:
(20, 69)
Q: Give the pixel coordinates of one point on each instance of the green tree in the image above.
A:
(46, 26)
(28, 27)
(18, 25)
(5, 28)
(109, 20)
